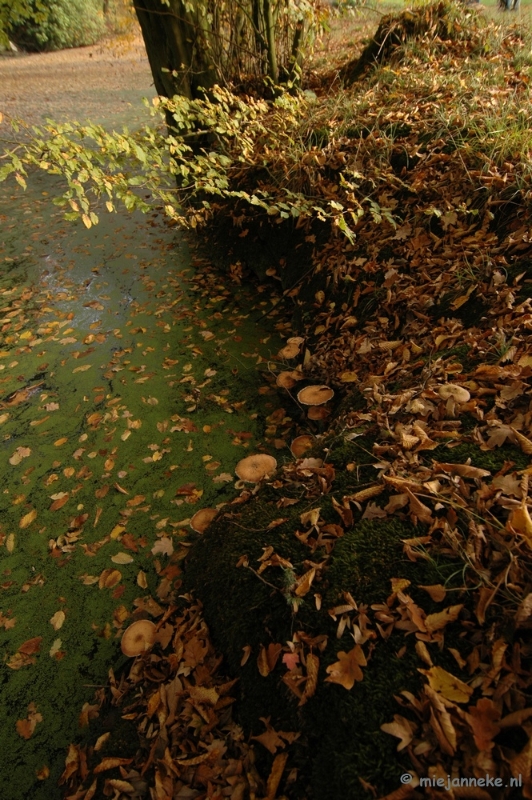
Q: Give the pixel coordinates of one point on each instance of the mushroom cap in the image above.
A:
(253, 469)
(202, 519)
(140, 636)
(315, 395)
(318, 412)
(301, 444)
(452, 390)
(286, 380)
(289, 350)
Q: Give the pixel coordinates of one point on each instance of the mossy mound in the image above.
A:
(341, 737)
(436, 22)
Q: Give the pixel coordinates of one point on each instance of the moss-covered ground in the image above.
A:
(129, 381)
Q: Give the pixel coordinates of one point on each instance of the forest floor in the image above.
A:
(383, 578)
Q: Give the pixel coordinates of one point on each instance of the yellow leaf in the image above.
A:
(83, 368)
(447, 685)
(55, 648)
(348, 377)
(521, 522)
(117, 531)
(60, 441)
(122, 558)
(142, 580)
(28, 518)
(57, 620)
(10, 543)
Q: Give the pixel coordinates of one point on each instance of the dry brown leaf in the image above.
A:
(111, 763)
(402, 728)
(437, 621)
(26, 727)
(305, 582)
(436, 591)
(346, 671)
(276, 773)
(483, 720)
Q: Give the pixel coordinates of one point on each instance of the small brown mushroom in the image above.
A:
(318, 412)
(452, 390)
(315, 395)
(253, 469)
(287, 380)
(301, 444)
(289, 351)
(138, 638)
(202, 519)
(292, 347)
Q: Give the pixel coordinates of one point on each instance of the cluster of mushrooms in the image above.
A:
(315, 397)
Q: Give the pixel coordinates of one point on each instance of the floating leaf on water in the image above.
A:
(142, 580)
(28, 518)
(122, 558)
(57, 620)
(163, 546)
(19, 454)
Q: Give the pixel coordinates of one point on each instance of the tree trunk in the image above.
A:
(178, 47)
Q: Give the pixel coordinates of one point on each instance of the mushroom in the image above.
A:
(253, 469)
(292, 347)
(452, 390)
(318, 412)
(315, 395)
(286, 380)
(301, 444)
(454, 395)
(138, 638)
(202, 519)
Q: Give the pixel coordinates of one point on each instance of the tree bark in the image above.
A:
(178, 47)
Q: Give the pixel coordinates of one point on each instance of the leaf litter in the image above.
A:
(425, 380)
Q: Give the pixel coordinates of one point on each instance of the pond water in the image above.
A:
(132, 379)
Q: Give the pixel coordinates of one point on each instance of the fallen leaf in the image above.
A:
(28, 518)
(437, 621)
(57, 620)
(26, 727)
(163, 546)
(402, 728)
(347, 670)
(122, 558)
(447, 685)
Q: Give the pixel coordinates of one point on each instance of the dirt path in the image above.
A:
(104, 81)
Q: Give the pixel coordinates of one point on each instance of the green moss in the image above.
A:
(493, 460)
(341, 729)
